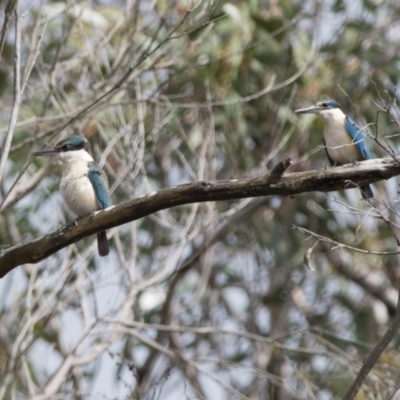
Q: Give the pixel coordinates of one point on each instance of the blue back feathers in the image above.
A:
(358, 137)
(99, 183)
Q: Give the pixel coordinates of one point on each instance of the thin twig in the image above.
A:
(17, 96)
(11, 6)
(335, 244)
(375, 354)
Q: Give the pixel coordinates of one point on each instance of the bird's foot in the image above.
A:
(94, 213)
(77, 219)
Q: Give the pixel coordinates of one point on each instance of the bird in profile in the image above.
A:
(344, 141)
(83, 183)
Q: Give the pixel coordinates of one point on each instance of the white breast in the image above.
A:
(76, 188)
(339, 144)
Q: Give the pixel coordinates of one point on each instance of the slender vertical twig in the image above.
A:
(17, 95)
(11, 6)
(375, 354)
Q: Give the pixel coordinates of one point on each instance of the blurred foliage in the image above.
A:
(209, 93)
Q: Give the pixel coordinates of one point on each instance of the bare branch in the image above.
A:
(17, 95)
(344, 177)
(11, 6)
(374, 355)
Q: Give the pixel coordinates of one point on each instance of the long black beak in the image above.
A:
(46, 152)
(309, 110)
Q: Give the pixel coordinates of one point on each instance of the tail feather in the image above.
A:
(366, 192)
(102, 244)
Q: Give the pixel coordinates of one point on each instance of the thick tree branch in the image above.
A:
(275, 183)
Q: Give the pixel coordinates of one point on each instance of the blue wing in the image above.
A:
(99, 183)
(358, 138)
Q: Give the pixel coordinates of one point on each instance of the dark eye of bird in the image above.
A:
(65, 147)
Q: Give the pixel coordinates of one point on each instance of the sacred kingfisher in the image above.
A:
(83, 184)
(344, 141)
